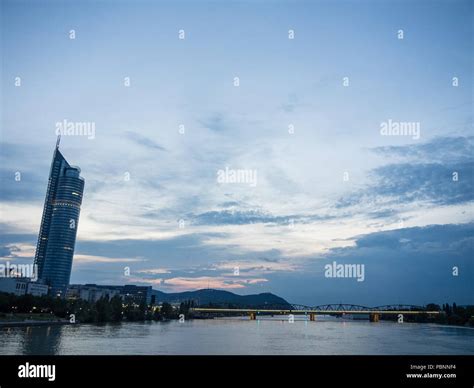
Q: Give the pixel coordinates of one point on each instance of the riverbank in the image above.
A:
(25, 320)
(29, 323)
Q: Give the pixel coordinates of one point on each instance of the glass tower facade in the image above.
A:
(57, 235)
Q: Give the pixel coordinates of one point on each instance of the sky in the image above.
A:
(292, 94)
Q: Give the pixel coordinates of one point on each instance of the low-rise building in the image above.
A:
(37, 289)
(93, 292)
(137, 294)
(13, 285)
(21, 286)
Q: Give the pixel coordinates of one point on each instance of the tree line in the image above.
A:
(106, 309)
(116, 309)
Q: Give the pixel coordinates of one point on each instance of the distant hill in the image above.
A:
(221, 298)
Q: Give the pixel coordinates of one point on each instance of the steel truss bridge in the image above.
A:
(326, 309)
(358, 308)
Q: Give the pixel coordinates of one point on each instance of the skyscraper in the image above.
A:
(57, 235)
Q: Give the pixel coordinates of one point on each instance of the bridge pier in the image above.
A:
(252, 315)
(374, 317)
(312, 317)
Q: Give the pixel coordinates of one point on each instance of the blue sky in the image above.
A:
(400, 213)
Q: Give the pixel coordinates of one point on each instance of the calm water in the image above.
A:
(237, 336)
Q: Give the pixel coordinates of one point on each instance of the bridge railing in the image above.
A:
(355, 307)
(330, 308)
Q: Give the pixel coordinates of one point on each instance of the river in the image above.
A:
(326, 336)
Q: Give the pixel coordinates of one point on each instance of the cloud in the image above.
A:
(23, 172)
(86, 259)
(255, 267)
(154, 271)
(17, 250)
(216, 122)
(426, 182)
(144, 141)
(179, 284)
(235, 217)
(440, 149)
(439, 172)
(31, 187)
(411, 265)
(422, 238)
(292, 102)
(8, 251)
(244, 217)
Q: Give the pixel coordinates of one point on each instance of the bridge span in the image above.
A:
(334, 309)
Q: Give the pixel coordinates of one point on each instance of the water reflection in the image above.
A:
(41, 340)
(263, 336)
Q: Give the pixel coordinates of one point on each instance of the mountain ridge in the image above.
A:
(204, 297)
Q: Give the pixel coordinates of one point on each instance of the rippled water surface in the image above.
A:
(237, 336)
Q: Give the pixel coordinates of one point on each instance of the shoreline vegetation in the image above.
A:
(29, 310)
(40, 310)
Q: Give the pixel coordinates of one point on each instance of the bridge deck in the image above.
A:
(320, 312)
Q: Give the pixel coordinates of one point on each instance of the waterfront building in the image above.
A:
(22, 286)
(57, 235)
(93, 292)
